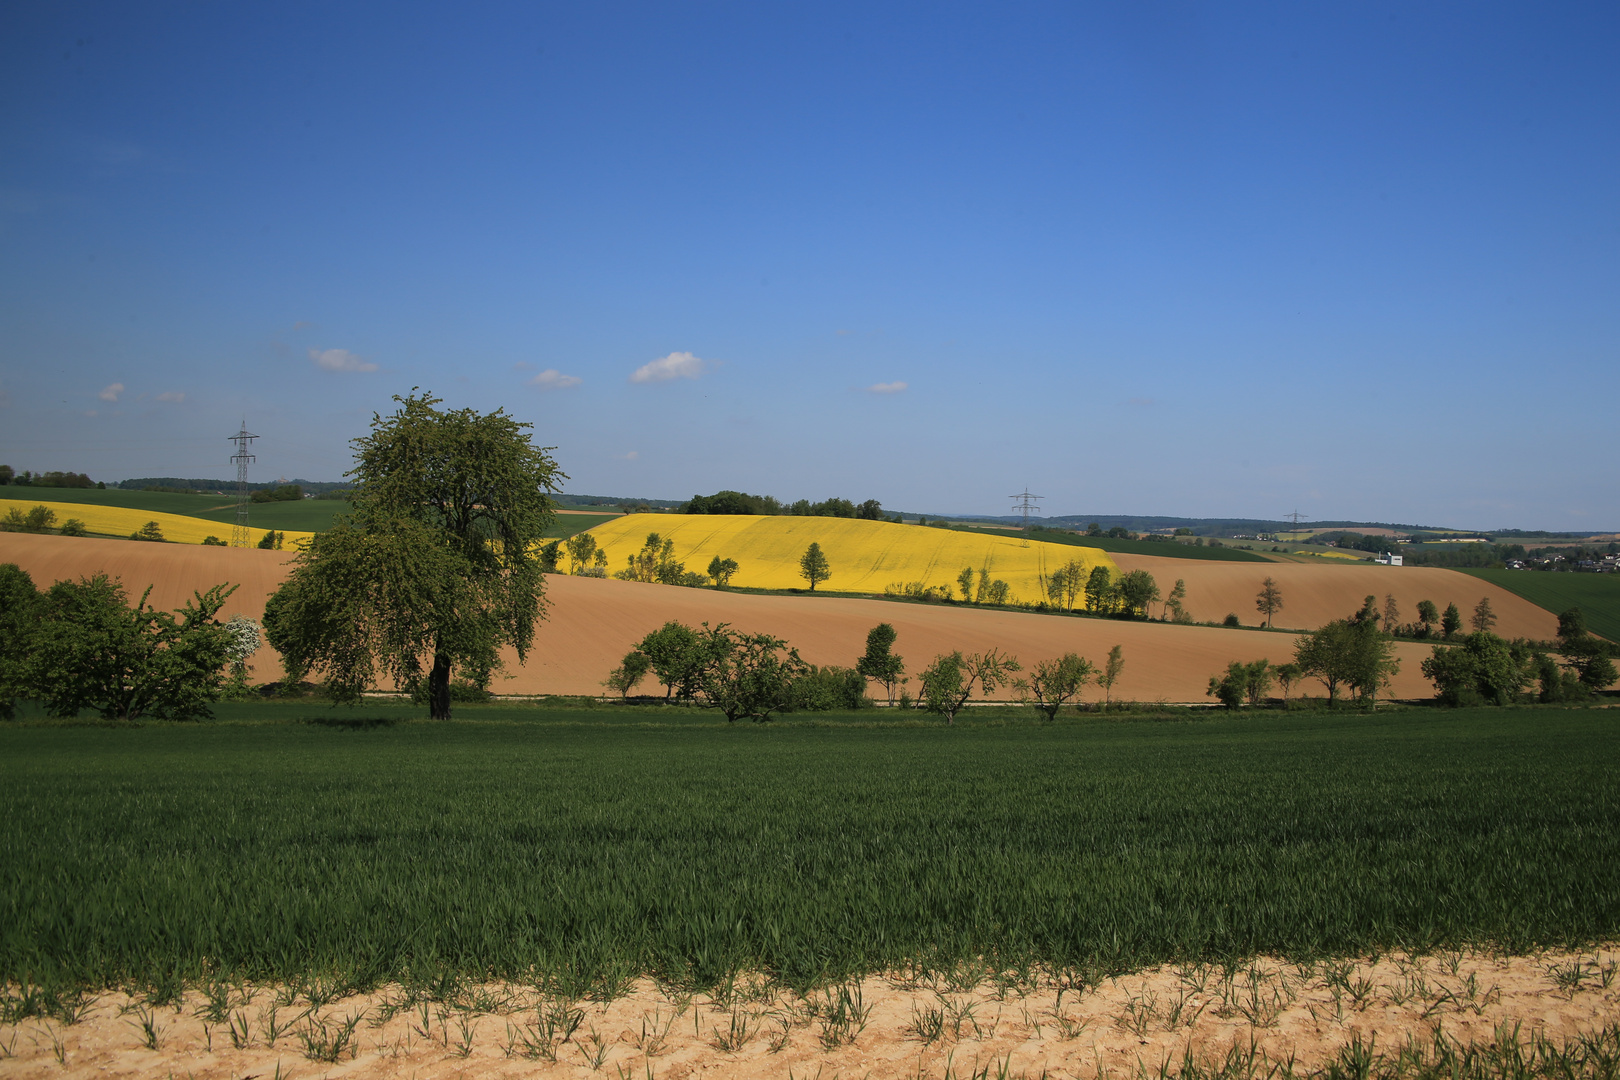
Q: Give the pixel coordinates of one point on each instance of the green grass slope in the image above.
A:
(302, 515)
(592, 842)
(1597, 595)
(1132, 547)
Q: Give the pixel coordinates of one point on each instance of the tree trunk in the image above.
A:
(439, 687)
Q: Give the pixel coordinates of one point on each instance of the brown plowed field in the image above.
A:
(594, 621)
(1314, 594)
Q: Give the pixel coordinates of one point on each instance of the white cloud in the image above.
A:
(175, 396)
(677, 365)
(552, 379)
(111, 392)
(886, 388)
(631, 456)
(340, 360)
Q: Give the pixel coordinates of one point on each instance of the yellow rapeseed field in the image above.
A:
(866, 556)
(121, 521)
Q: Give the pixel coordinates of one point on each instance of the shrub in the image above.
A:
(1231, 620)
(37, 520)
(829, 687)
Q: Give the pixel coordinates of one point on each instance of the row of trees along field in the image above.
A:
(753, 676)
(739, 502)
(1356, 654)
(8, 475)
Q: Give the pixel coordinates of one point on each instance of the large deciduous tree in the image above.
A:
(437, 565)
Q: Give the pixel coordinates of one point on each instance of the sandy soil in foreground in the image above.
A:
(593, 622)
(889, 1027)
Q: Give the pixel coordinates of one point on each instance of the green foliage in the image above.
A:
(1231, 619)
(949, 681)
(38, 519)
(272, 540)
(1269, 601)
(631, 670)
(687, 849)
(20, 610)
(213, 541)
(435, 567)
(1137, 591)
(655, 562)
(720, 570)
(93, 651)
(677, 655)
(1590, 658)
(733, 502)
(1484, 618)
(1348, 653)
(1482, 669)
(879, 661)
(823, 689)
(1112, 669)
(1287, 675)
(1243, 683)
(551, 555)
(1052, 683)
(813, 566)
(73, 527)
(1451, 621)
(1102, 596)
(749, 675)
(152, 532)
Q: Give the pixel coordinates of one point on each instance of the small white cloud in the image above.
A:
(111, 392)
(340, 360)
(552, 379)
(677, 365)
(896, 387)
(631, 456)
(175, 396)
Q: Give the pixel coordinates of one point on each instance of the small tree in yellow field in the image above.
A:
(813, 566)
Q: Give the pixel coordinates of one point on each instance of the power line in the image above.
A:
(243, 439)
(1024, 503)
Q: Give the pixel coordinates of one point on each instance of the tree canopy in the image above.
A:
(437, 564)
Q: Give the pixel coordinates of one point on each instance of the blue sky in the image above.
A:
(1208, 260)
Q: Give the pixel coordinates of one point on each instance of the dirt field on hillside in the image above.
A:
(1314, 594)
(593, 621)
(895, 1028)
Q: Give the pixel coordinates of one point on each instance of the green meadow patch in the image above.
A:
(1597, 595)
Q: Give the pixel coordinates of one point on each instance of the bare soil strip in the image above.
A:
(883, 1027)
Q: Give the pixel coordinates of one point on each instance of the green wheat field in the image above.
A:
(583, 845)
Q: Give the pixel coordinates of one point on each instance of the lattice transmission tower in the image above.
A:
(1295, 516)
(241, 459)
(1024, 503)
